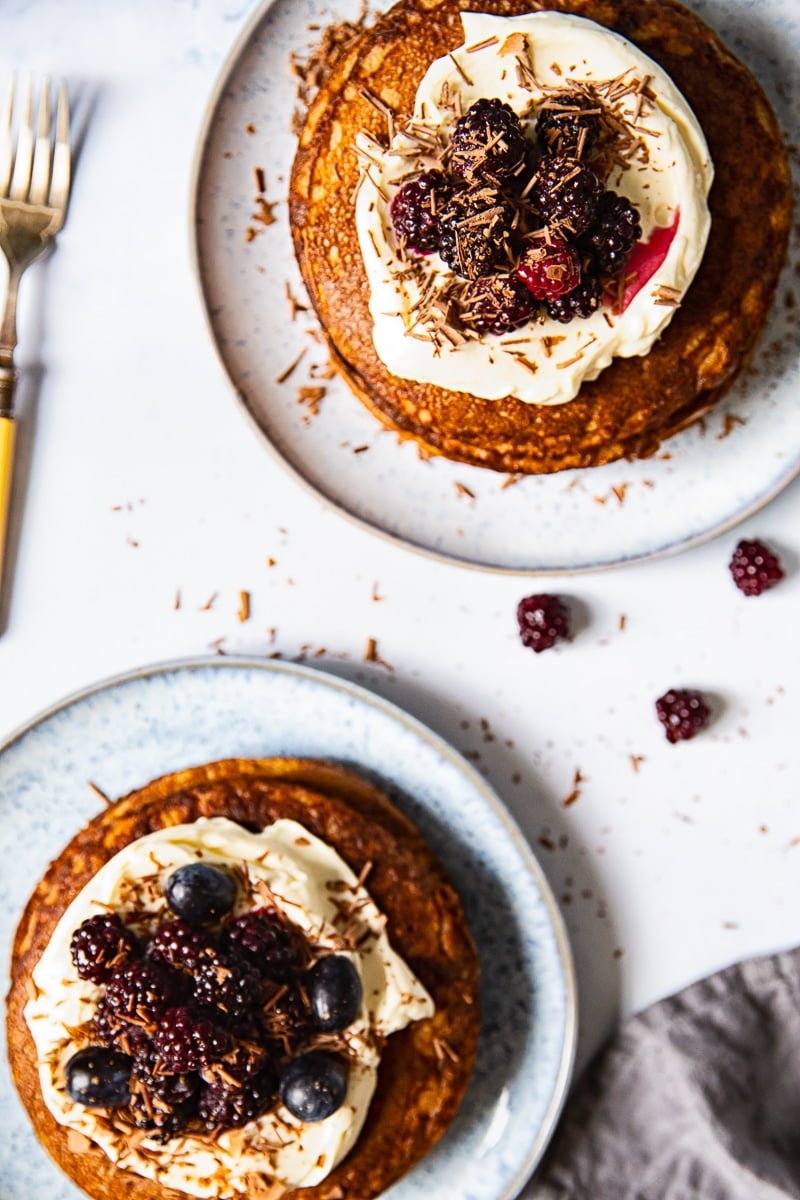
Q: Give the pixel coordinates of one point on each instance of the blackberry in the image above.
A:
(566, 193)
(139, 992)
(496, 304)
(223, 1105)
(232, 987)
(159, 1102)
(187, 1040)
(488, 142)
(286, 1019)
(683, 714)
(415, 211)
(582, 302)
(112, 1030)
(755, 568)
(244, 1062)
(181, 945)
(543, 621)
(101, 944)
(262, 941)
(478, 232)
(568, 123)
(549, 269)
(615, 231)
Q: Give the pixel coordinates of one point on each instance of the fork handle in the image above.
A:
(7, 436)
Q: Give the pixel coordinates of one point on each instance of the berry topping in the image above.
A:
(285, 1018)
(180, 945)
(101, 944)
(755, 568)
(614, 233)
(314, 1086)
(334, 991)
(543, 621)
(200, 893)
(415, 211)
(583, 301)
(683, 714)
(161, 1102)
(261, 940)
(99, 1078)
(549, 269)
(566, 193)
(496, 304)
(117, 1032)
(232, 987)
(477, 232)
(488, 142)
(238, 1089)
(568, 124)
(138, 993)
(186, 1040)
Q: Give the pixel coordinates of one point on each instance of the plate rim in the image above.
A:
(442, 746)
(670, 550)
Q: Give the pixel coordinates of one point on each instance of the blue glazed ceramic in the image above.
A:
(125, 732)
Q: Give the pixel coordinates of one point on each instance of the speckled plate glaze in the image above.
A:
(122, 733)
(705, 480)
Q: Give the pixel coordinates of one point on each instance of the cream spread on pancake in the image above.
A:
(520, 60)
(308, 881)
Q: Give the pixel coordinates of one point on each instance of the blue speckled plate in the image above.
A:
(710, 477)
(125, 732)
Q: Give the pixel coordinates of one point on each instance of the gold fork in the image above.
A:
(35, 172)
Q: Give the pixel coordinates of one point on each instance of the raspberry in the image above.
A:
(614, 233)
(566, 193)
(228, 1106)
(543, 621)
(415, 211)
(582, 302)
(186, 1040)
(477, 232)
(755, 568)
(488, 142)
(180, 945)
(566, 127)
(683, 714)
(549, 270)
(159, 1102)
(139, 992)
(496, 304)
(101, 944)
(262, 941)
(232, 987)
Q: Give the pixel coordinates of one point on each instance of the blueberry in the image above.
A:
(98, 1078)
(334, 989)
(200, 893)
(314, 1086)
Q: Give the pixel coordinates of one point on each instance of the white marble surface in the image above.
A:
(682, 866)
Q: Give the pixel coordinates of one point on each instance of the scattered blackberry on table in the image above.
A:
(582, 302)
(187, 1040)
(683, 713)
(334, 991)
(488, 142)
(200, 893)
(232, 987)
(261, 940)
(101, 944)
(98, 1077)
(139, 992)
(181, 945)
(415, 211)
(568, 122)
(314, 1085)
(566, 193)
(496, 304)
(615, 231)
(755, 568)
(478, 232)
(543, 621)
(549, 269)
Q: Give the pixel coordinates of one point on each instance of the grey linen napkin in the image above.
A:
(696, 1098)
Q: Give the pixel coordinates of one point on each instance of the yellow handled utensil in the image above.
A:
(7, 431)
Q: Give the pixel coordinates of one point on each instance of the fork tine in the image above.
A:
(40, 176)
(62, 157)
(20, 180)
(6, 147)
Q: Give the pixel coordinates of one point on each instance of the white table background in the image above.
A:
(144, 479)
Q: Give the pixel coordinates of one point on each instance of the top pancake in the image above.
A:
(635, 402)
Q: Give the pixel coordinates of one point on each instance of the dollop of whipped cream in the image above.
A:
(307, 878)
(516, 59)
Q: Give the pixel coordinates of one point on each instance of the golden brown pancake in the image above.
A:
(636, 402)
(419, 1088)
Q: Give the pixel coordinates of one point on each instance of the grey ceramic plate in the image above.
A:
(129, 730)
(707, 481)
